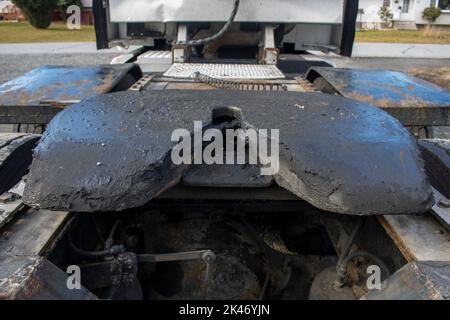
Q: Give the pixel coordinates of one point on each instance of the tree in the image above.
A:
(62, 6)
(386, 16)
(361, 13)
(431, 14)
(39, 13)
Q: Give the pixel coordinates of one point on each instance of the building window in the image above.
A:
(386, 3)
(405, 8)
(444, 5)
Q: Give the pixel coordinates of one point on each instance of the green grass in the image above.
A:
(403, 36)
(19, 32)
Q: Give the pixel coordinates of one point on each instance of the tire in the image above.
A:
(322, 85)
(436, 154)
(16, 154)
(126, 82)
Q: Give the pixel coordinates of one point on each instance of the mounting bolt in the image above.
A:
(444, 203)
(208, 256)
(129, 264)
(8, 197)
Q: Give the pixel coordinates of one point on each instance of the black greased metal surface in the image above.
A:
(112, 152)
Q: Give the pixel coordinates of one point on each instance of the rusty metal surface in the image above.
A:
(383, 88)
(30, 114)
(31, 232)
(418, 237)
(441, 210)
(112, 152)
(35, 278)
(15, 273)
(55, 83)
(11, 203)
(24, 272)
(421, 280)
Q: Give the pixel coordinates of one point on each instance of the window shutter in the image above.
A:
(433, 3)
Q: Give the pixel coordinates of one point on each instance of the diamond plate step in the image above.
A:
(225, 71)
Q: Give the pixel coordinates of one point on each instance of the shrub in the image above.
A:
(386, 15)
(39, 13)
(431, 14)
(62, 6)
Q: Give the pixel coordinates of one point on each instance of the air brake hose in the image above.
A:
(217, 35)
(114, 250)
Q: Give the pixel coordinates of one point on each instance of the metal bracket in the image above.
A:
(11, 203)
(270, 52)
(141, 83)
(180, 53)
(206, 255)
(441, 208)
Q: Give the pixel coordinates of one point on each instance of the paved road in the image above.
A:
(399, 64)
(16, 59)
(401, 50)
(361, 49)
(57, 48)
(12, 66)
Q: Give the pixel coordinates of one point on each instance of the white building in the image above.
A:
(9, 11)
(407, 13)
(86, 3)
